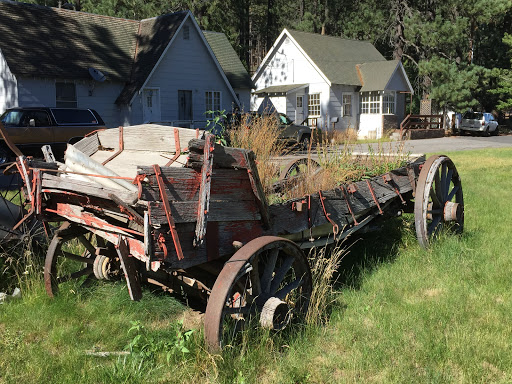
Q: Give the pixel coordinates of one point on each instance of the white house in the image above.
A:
(332, 82)
(158, 69)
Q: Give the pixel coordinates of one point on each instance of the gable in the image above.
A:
(154, 37)
(286, 64)
(40, 41)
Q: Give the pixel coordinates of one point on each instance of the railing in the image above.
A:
(420, 122)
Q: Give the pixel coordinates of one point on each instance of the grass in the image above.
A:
(400, 314)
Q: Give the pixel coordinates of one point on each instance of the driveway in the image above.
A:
(446, 144)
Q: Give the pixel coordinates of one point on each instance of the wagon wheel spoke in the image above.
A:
(435, 198)
(74, 275)
(266, 278)
(70, 257)
(284, 269)
(454, 190)
(432, 226)
(280, 274)
(283, 292)
(87, 244)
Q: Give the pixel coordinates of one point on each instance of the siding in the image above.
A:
(36, 92)
(8, 86)
(187, 65)
(41, 92)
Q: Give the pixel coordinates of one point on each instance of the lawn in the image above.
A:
(400, 314)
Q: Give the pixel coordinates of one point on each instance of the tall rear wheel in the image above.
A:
(439, 201)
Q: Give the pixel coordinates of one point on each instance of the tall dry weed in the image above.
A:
(324, 263)
(260, 134)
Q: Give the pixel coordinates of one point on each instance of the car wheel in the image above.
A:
(486, 132)
(4, 155)
(304, 142)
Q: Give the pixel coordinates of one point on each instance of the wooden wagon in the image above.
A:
(163, 205)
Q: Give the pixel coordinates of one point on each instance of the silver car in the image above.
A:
(482, 122)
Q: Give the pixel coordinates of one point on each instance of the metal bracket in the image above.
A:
(349, 205)
(121, 146)
(335, 227)
(388, 179)
(170, 220)
(372, 191)
(177, 147)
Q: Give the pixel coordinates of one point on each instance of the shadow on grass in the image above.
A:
(366, 252)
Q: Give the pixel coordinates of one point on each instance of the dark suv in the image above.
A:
(30, 128)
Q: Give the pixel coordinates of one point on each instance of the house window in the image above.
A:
(347, 105)
(299, 101)
(370, 102)
(186, 32)
(212, 102)
(388, 103)
(314, 104)
(65, 95)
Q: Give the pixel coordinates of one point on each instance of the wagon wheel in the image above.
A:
(266, 282)
(298, 167)
(439, 201)
(74, 253)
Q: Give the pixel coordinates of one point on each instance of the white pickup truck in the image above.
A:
(482, 122)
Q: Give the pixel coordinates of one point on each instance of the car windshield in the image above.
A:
(473, 115)
(12, 118)
(285, 120)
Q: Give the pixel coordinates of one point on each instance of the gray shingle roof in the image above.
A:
(376, 75)
(39, 41)
(228, 60)
(337, 57)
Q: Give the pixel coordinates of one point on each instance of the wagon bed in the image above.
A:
(161, 205)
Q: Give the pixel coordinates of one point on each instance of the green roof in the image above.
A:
(376, 75)
(228, 60)
(337, 57)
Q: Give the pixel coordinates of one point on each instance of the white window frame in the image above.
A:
(63, 103)
(314, 105)
(389, 103)
(346, 104)
(210, 98)
(370, 103)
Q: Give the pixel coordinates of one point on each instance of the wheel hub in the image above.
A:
(452, 211)
(275, 314)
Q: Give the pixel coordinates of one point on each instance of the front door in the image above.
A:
(151, 103)
(184, 105)
(299, 110)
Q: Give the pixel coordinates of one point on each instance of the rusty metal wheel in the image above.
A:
(71, 256)
(298, 167)
(265, 284)
(439, 200)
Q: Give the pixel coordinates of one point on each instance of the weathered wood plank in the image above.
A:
(88, 145)
(225, 157)
(186, 211)
(150, 137)
(85, 188)
(183, 185)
